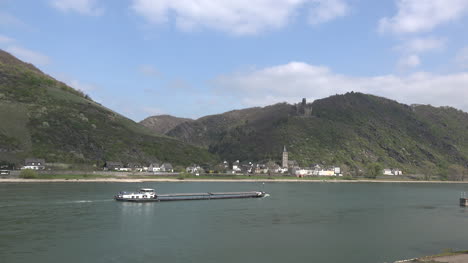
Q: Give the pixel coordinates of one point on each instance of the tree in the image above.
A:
(356, 171)
(28, 174)
(456, 172)
(429, 169)
(220, 168)
(373, 170)
(345, 170)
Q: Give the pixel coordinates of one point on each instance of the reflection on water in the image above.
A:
(311, 222)
(137, 209)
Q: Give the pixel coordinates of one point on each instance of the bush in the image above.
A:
(373, 170)
(28, 174)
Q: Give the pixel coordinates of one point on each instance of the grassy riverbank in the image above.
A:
(89, 177)
(176, 177)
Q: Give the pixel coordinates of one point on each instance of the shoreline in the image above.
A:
(445, 257)
(142, 180)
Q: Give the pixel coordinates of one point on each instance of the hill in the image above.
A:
(210, 130)
(352, 130)
(45, 118)
(161, 124)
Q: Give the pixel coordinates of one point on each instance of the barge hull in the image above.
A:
(195, 196)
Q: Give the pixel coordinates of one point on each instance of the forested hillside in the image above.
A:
(352, 130)
(44, 118)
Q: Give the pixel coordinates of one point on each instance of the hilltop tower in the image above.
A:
(285, 157)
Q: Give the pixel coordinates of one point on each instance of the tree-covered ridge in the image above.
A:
(45, 118)
(352, 130)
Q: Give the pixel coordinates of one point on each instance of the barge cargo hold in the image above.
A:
(149, 195)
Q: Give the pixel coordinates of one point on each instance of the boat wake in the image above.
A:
(54, 203)
(266, 195)
(86, 201)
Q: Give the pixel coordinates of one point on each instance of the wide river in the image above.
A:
(298, 222)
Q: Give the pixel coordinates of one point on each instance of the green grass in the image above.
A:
(74, 176)
(28, 174)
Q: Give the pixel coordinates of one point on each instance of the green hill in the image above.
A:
(161, 124)
(44, 118)
(352, 130)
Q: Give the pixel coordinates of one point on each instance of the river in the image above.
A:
(297, 222)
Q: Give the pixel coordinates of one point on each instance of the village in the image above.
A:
(286, 168)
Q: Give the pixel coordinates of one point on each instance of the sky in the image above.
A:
(191, 58)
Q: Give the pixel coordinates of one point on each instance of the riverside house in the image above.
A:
(34, 164)
(112, 166)
(236, 168)
(154, 167)
(317, 170)
(136, 167)
(167, 167)
(392, 171)
(194, 169)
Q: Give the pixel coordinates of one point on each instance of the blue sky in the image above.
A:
(191, 58)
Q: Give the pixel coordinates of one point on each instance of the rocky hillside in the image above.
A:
(161, 124)
(210, 130)
(44, 118)
(352, 130)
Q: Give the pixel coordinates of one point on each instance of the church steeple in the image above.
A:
(285, 157)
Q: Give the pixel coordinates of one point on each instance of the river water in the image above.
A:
(298, 222)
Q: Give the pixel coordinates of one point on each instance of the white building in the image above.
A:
(154, 167)
(326, 173)
(236, 167)
(392, 171)
(34, 164)
(301, 172)
(193, 169)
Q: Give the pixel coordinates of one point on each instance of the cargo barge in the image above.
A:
(149, 195)
(463, 199)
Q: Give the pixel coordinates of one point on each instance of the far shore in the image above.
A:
(446, 257)
(142, 180)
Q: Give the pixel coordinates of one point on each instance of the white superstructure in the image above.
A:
(143, 193)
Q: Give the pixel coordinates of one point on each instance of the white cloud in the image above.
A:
(327, 10)
(420, 45)
(296, 80)
(410, 61)
(412, 48)
(462, 57)
(84, 7)
(423, 15)
(240, 17)
(5, 39)
(149, 70)
(8, 20)
(29, 56)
